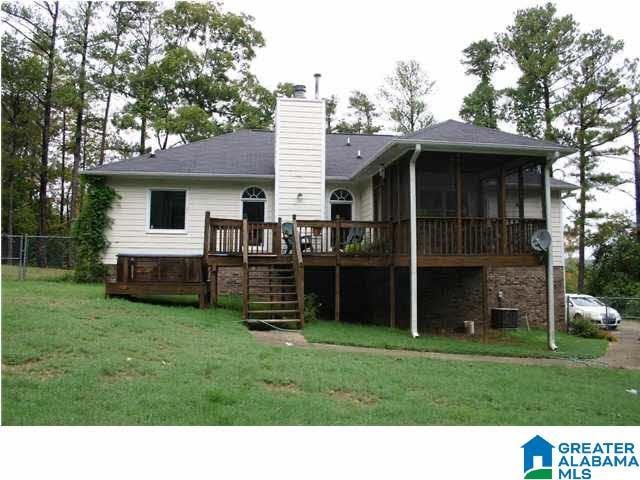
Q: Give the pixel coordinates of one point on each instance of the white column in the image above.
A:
(551, 321)
(413, 225)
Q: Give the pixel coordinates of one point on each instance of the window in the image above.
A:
(341, 202)
(167, 209)
(254, 193)
(341, 196)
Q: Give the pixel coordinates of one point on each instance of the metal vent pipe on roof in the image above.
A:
(299, 91)
(317, 77)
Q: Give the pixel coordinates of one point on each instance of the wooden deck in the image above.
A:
(442, 242)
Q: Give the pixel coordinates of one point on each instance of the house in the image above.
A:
(421, 232)
(538, 447)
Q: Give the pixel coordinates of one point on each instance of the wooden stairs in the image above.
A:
(272, 296)
(272, 290)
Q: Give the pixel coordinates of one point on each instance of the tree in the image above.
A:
(405, 93)
(40, 30)
(481, 105)
(633, 116)
(615, 271)
(22, 82)
(331, 104)
(77, 42)
(540, 43)
(592, 113)
(363, 111)
(139, 84)
(110, 52)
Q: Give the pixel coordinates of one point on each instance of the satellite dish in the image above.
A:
(541, 240)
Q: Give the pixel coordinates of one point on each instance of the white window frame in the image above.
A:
(255, 200)
(166, 231)
(351, 202)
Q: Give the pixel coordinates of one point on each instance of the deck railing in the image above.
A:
(436, 236)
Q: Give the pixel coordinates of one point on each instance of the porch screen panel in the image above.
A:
(533, 192)
(436, 188)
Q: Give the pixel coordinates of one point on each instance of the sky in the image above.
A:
(355, 44)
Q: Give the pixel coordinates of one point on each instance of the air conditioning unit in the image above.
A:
(503, 318)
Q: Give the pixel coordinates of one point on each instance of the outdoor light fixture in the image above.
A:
(300, 196)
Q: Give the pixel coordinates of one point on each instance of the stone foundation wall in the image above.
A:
(525, 288)
(229, 280)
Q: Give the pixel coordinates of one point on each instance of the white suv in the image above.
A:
(590, 308)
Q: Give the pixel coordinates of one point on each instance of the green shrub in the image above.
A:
(581, 327)
(312, 307)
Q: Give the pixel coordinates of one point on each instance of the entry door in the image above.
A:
(342, 209)
(254, 212)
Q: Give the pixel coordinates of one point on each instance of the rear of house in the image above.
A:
(420, 232)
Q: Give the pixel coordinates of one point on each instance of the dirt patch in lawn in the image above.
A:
(355, 398)
(121, 376)
(33, 368)
(281, 387)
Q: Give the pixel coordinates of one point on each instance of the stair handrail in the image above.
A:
(298, 269)
(245, 268)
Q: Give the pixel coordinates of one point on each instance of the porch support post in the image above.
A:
(337, 294)
(551, 321)
(413, 244)
(502, 211)
(459, 203)
(392, 296)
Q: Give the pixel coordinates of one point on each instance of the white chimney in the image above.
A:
(300, 158)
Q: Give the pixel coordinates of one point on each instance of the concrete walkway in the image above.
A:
(296, 339)
(625, 353)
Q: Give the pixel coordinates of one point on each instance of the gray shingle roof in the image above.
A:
(453, 131)
(251, 152)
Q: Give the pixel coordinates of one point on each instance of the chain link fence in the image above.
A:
(627, 307)
(20, 253)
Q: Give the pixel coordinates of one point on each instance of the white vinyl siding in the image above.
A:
(365, 203)
(300, 158)
(129, 232)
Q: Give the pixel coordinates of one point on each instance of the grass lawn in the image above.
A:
(69, 356)
(520, 343)
(12, 272)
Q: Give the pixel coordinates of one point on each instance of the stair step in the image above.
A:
(266, 294)
(281, 302)
(273, 311)
(258, 269)
(272, 320)
(272, 285)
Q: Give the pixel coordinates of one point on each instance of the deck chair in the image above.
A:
(287, 236)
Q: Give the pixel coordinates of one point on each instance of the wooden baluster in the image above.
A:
(207, 228)
(277, 240)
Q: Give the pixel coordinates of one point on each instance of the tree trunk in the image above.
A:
(636, 162)
(105, 118)
(548, 129)
(581, 221)
(64, 154)
(143, 134)
(77, 147)
(46, 125)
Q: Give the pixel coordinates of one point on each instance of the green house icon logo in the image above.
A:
(538, 459)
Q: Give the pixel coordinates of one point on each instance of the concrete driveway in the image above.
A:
(625, 353)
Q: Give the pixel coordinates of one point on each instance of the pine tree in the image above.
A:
(481, 106)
